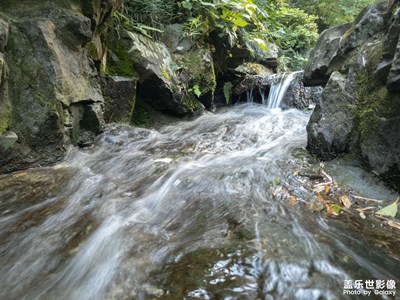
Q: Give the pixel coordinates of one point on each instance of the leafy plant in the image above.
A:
(196, 90)
(236, 23)
(332, 13)
(227, 88)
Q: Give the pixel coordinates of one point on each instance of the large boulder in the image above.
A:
(360, 106)
(164, 80)
(331, 124)
(49, 84)
(325, 50)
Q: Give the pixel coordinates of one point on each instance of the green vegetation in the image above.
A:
(251, 24)
(123, 66)
(235, 23)
(228, 86)
(332, 13)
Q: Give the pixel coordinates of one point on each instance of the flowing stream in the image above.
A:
(186, 211)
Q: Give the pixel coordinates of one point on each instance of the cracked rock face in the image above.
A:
(44, 71)
(359, 65)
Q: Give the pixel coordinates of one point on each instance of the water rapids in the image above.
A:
(182, 212)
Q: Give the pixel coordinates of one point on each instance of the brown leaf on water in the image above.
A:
(318, 188)
(319, 197)
(346, 201)
(292, 200)
(327, 189)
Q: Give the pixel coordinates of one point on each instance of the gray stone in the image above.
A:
(87, 123)
(331, 124)
(326, 49)
(370, 22)
(360, 114)
(268, 56)
(175, 39)
(49, 71)
(7, 141)
(120, 94)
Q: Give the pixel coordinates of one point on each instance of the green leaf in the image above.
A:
(239, 22)
(390, 210)
(196, 90)
(336, 208)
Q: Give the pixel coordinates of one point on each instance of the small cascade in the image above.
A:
(262, 95)
(273, 90)
(278, 90)
(249, 94)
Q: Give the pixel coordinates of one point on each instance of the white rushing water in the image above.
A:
(278, 90)
(183, 212)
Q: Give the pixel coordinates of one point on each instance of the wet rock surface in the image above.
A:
(365, 121)
(45, 71)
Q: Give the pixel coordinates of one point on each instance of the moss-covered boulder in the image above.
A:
(359, 112)
(161, 82)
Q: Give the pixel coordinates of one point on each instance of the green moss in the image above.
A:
(93, 51)
(122, 67)
(143, 114)
(4, 121)
(39, 97)
(201, 69)
(166, 74)
(190, 103)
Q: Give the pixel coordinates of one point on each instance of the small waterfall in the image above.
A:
(278, 84)
(249, 94)
(278, 90)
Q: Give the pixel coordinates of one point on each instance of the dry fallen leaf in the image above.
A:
(327, 189)
(394, 224)
(277, 190)
(319, 197)
(292, 200)
(346, 201)
(318, 188)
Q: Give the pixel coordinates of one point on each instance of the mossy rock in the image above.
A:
(159, 83)
(197, 74)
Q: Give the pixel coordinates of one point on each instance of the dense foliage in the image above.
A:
(243, 23)
(238, 23)
(331, 13)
